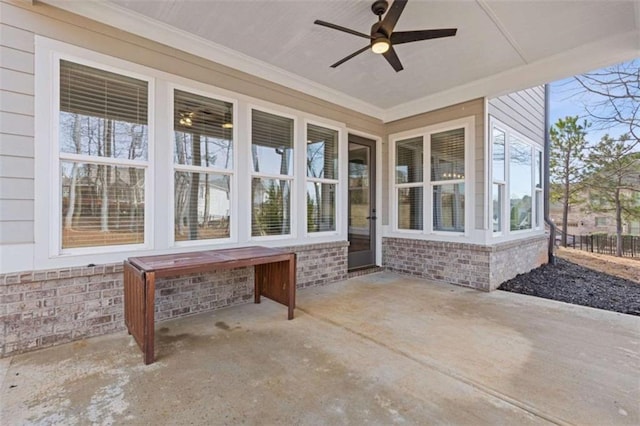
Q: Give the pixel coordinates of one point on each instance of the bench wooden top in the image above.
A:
(192, 262)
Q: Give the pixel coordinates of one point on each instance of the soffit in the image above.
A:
(501, 46)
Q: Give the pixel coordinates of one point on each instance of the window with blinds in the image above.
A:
(203, 166)
(441, 196)
(272, 175)
(322, 178)
(447, 180)
(409, 183)
(103, 156)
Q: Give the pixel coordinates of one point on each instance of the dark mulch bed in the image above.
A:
(571, 283)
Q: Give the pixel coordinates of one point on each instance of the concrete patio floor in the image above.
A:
(377, 349)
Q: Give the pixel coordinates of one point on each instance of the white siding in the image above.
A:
(523, 111)
(16, 135)
(20, 22)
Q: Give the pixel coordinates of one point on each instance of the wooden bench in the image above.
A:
(275, 278)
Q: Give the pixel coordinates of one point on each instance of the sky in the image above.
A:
(564, 102)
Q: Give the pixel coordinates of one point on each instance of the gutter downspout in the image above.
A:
(547, 148)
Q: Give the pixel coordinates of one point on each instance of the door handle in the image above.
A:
(372, 217)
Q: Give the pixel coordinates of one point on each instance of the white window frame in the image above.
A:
(232, 172)
(506, 233)
(399, 186)
(538, 191)
(335, 182)
(428, 232)
(159, 180)
(52, 199)
(293, 178)
(502, 183)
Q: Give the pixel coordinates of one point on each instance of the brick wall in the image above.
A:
(517, 257)
(470, 265)
(44, 308)
(454, 263)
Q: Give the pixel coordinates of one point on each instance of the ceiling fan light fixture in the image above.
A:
(186, 119)
(227, 122)
(380, 45)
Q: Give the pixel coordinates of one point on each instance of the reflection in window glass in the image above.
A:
(102, 114)
(538, 169)
(520, 169)
(447, 155)
(203, 131)
(409, 160)
(322, 152)
(202, 206)
(498, 155)
(497, 207)
(410, 208)
(271, 207)
(448, 207)
(321, 207)
(102, 205)
(271, 143)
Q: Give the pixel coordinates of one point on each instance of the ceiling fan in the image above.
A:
(383, 38)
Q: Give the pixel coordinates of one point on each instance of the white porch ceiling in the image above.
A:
(501, 46)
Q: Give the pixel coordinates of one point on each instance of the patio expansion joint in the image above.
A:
(434, 365)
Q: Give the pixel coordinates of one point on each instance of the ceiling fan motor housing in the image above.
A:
(379, 7)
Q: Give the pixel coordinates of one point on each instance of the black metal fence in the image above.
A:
(602, 244)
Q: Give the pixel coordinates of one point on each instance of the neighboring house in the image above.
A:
(119, 142)
(582, 220)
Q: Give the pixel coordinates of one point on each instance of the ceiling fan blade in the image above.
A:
(400, 37)
(345, 59)
(391, 18)
(391, 57)
(339, 28)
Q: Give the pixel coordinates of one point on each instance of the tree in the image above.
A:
(614, 181)
(614, 99)
(566, 158)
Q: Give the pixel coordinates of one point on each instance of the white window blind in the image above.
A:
(203, 167)
(103, 144)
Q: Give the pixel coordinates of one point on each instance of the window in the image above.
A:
(203, 167)
(272, 173)
(322, 178)
(602, 221)
(517, 172)
(112, 180)
(103, 141)
(520, 173)
(430, 197)
(447, 169)
(409, 183)
(538, 188)
(499, 181)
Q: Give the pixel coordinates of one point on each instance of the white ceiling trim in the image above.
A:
(503, 29)
(127, 20)
(622, 47)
